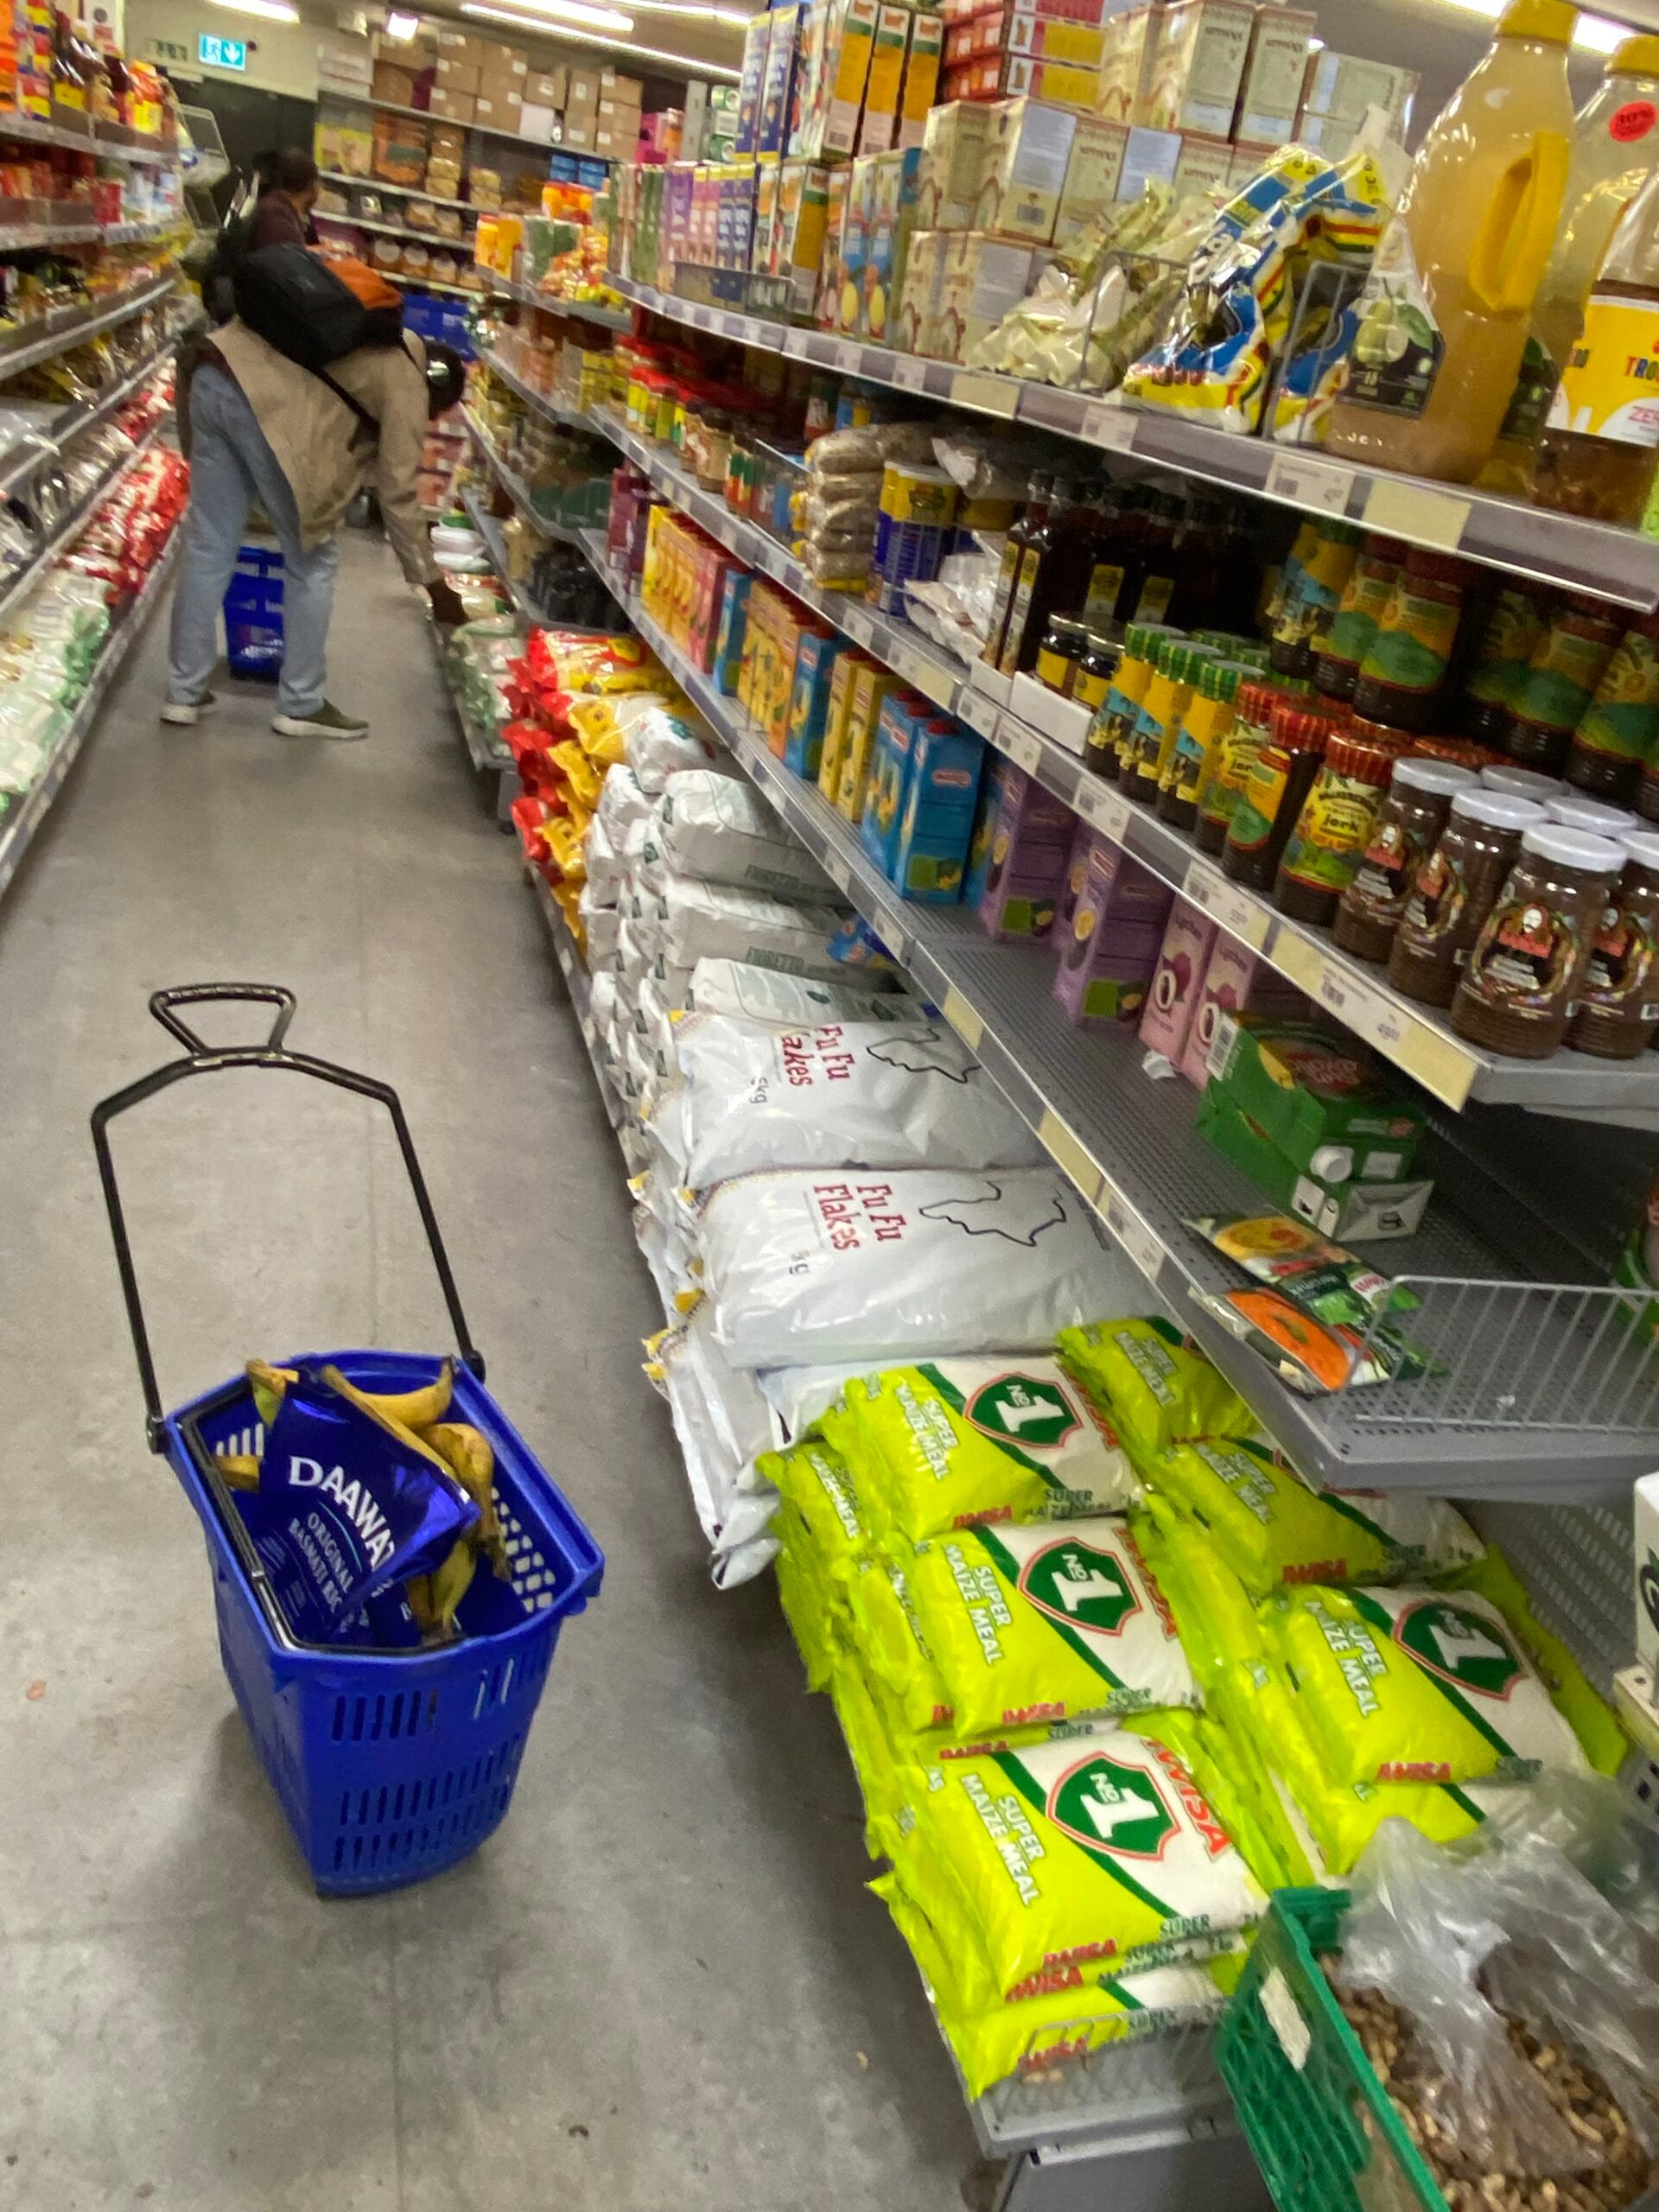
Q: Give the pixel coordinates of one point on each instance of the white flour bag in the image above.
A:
(722, 831)
(661, 744)
(842, 1095)
(889, 1265)
(765, 995)
(621, 804)
(702, 921)
(736, 1523)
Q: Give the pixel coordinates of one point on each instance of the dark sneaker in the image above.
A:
(328, 721)
(185, 713)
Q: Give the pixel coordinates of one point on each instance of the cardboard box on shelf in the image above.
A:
(891, 191)
(1343, 86)
(582, 90)
(1128, 56)
(416, 52)
(613, 85)
(344, 61)
(445, 143)
(621, 144)
(694, 119)
(547, 87)
(917, 325)
(798, 227)
(776, 92)
(763, 244)
(955, 149)
(985, 279)
(453, 107)
(454, 76)
(612, 113)
(756, 38)
(922, 66)
(1202, 50)
(1093, 174)
(1054, 38)
(536, 121)
(1062, 84)
(1269, 97)
(1149, 157)
(849, 41)
(1024, 170)
(1203, 162)
(879, 125)
(459, 46)
(497, 111)
(394, 83)
(579, 134)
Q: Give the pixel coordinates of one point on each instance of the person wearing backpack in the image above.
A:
(301, 441)
(288, 193)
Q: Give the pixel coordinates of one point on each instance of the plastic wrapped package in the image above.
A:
(702, 921)
(702, 1405)
(883, 1266)
(721, 830)
(660, 744)
(731, 987)
(840, 1095)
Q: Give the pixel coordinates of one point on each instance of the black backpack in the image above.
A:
(306, 308)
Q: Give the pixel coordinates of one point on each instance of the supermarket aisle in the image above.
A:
(662, 1987)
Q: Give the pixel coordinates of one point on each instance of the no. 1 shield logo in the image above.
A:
(1461, 1646)
(1081, 1585)
(1110, 1807)
(1023, 1409)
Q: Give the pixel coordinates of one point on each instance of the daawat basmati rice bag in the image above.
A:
(792, 1001)
(951, 1443)
(840, 1095)
(1415, 1685)
(1152, 1383)
(1033, 1624)
(808, 1268)
(1044, 2035)
(1058, 1857)
(1271, 1528)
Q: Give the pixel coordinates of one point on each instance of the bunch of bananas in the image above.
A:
(415, 1418)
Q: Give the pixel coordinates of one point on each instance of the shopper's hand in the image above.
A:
(448, 607)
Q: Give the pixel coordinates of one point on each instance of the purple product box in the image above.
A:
(998, 768)
(1034, 813)
(1178, 982)
(1108, 955)
(1022, 906)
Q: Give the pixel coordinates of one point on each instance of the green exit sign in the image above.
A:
(215, 52)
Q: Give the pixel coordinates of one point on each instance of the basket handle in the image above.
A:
(203, 1059)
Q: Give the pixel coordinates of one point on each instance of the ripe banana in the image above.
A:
(468, 1452)
(418, 1590)
(450, 1583)
(269, 1384)
(414, 1409)
(239, 1469)
(376, 1409)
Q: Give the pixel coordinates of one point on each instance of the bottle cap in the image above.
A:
(1523, 783)
(1297, 731)
(1572, 849)
(1642, 845)
(1496, 809)
(1634, 57)
(1591, 814)
(1444, 778)
(1333, 1163)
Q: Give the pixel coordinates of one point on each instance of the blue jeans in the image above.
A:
(232, 466)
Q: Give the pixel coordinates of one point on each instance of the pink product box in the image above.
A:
(1235, 981)
(1178, 981)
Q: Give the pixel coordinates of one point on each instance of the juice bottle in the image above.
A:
(1601, 448)
(1614, 150)
(1443, 316)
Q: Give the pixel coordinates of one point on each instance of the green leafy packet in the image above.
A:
(1326, 1280)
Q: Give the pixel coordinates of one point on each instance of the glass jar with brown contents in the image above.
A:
(1403, 673)
(1618, 1009)
(1521, 982)
(1453, 891)
(1059, 653)
(1560, 681)
(1272, 798)
(1333, 828)
(1409, 821)
(1092, 678)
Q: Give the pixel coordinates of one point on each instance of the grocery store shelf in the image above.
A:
(1508, 534)
(516, 488)
(1128, 1144)
(74, 421)
(110, 141)
(572, 417)
(53, 335)
(396, 231)
(139, 233)
(489, 531)
(27, 579)
(402, 191)
(424, 284)
(579, 984)
(583, 310)
(19, 824)
(483, 130)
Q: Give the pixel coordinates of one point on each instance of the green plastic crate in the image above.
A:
(1312, 2109)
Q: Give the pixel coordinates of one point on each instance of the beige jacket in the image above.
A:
(324, 451)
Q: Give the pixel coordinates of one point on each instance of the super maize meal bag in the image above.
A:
(1044, 2033)
(951, 1443)
(1154, 1385)
(1037, 1623)
(1271, 1527)
(1036, 1863)
(1416, 1685)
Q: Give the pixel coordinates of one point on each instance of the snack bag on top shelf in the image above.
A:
(953, 1442)
(1152, 1384)
(1231, 327)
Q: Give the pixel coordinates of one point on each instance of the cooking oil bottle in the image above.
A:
(1444, 314)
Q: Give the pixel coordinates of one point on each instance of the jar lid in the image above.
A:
(1523, 783)
(1574, 848)
(1591, 814)
(1100, 641)
(1223, 679)
(1642, 845)
(1496, 809)
(1297, 731)
(1634, 57)
(1445, 778)
(1067, 626)
(1257, 700)
(1142, 638)
(1354, 756)
(1462, 750)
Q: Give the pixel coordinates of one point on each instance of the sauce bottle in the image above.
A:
(1405, 665)
(1157, 724)
(1514, 627)
(1601, 446)
(1520, 984)
(1407, 826)
(1221, 784)
(1153, 584)
(1205, 723)
(1053, 573)
(1333, 830)
(1614, 150)
(1311, 602)
(1562, 678)
(1617, 1013)
(1272, 798)
(1618, 732)
(1454, 889)
(1443, 315)
(1345, 639)
(1113, 726)
(1013, 548)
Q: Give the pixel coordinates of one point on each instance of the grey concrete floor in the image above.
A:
(662, 1987)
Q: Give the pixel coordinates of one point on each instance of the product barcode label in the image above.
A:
(1111, 428)
(1022, 746)
(1133, 1234)
(1304, 482)
(1108, 809)
(1225, 902)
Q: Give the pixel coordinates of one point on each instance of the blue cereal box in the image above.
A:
(816, 660)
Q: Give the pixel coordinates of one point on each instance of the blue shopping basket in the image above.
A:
(253, 615)
(390, 1766)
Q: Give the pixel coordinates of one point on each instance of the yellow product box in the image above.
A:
(955, 147)
(1024, 169)
(1054, 38)
(1093, 175)
(802, 224)
(917, 327)
(1128, 55)
(763, 246)
(1149, 157)
(1202, 50)
(871, 685)
(838, 721)
(985, 279)
(879, 126)
(1270, 97)
(922, 66)
(1059, 83)
(849, 41)
(833, 275)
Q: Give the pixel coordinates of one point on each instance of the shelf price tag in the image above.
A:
(1108, 809)
(968, 1023)
(1022, 746)
(1112, 428)
(908, 373)
(1225, 902)
(994, 395)
(979, 713)
(848, 359)
(1067, 1152)
(1133, 1234)
(839, 870)
(858, 625)
(889, 927)
(1399, 509)
(1318, 484)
